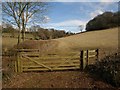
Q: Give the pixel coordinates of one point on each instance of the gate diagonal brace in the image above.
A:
(37, 62)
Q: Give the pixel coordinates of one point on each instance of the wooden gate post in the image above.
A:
(82, 60)
(18, 63)
(87, 57)
(97, 50)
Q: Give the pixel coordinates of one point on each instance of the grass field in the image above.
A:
(8, 42)
(104, 39)
(28, 35)
(95, 39)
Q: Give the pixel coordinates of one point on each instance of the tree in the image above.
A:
(104, 21)
(23, 13)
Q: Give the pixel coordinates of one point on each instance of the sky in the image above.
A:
(69, 16)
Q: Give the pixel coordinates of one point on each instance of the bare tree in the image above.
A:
(22, 13)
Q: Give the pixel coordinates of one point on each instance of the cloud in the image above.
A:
(46, 19)
(95, 13)
(69, 25)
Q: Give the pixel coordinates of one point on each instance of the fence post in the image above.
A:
(87, 57)
(82, 60)
(18, 62)
(16, 65)
(97, 50)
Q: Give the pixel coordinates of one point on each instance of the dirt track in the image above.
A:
(58, 79)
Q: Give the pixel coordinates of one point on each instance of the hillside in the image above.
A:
(105, 39)
(95, 39)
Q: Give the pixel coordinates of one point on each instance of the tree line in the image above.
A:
(37, 32)
(44, 34)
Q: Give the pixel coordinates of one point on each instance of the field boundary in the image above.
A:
(88, 57)
(30, 60)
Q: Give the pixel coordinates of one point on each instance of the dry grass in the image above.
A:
(27, 35)
(95, 39)
(105, 39)
(45, 46)
(8, 42)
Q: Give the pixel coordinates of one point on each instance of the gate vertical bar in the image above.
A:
(87, 57)
(81, 60)
(84, 60)
(18, 62)
(16, 65)
(97, 59)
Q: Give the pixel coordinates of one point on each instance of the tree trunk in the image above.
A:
(23, 34)
(23, 26)
(19, 36)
